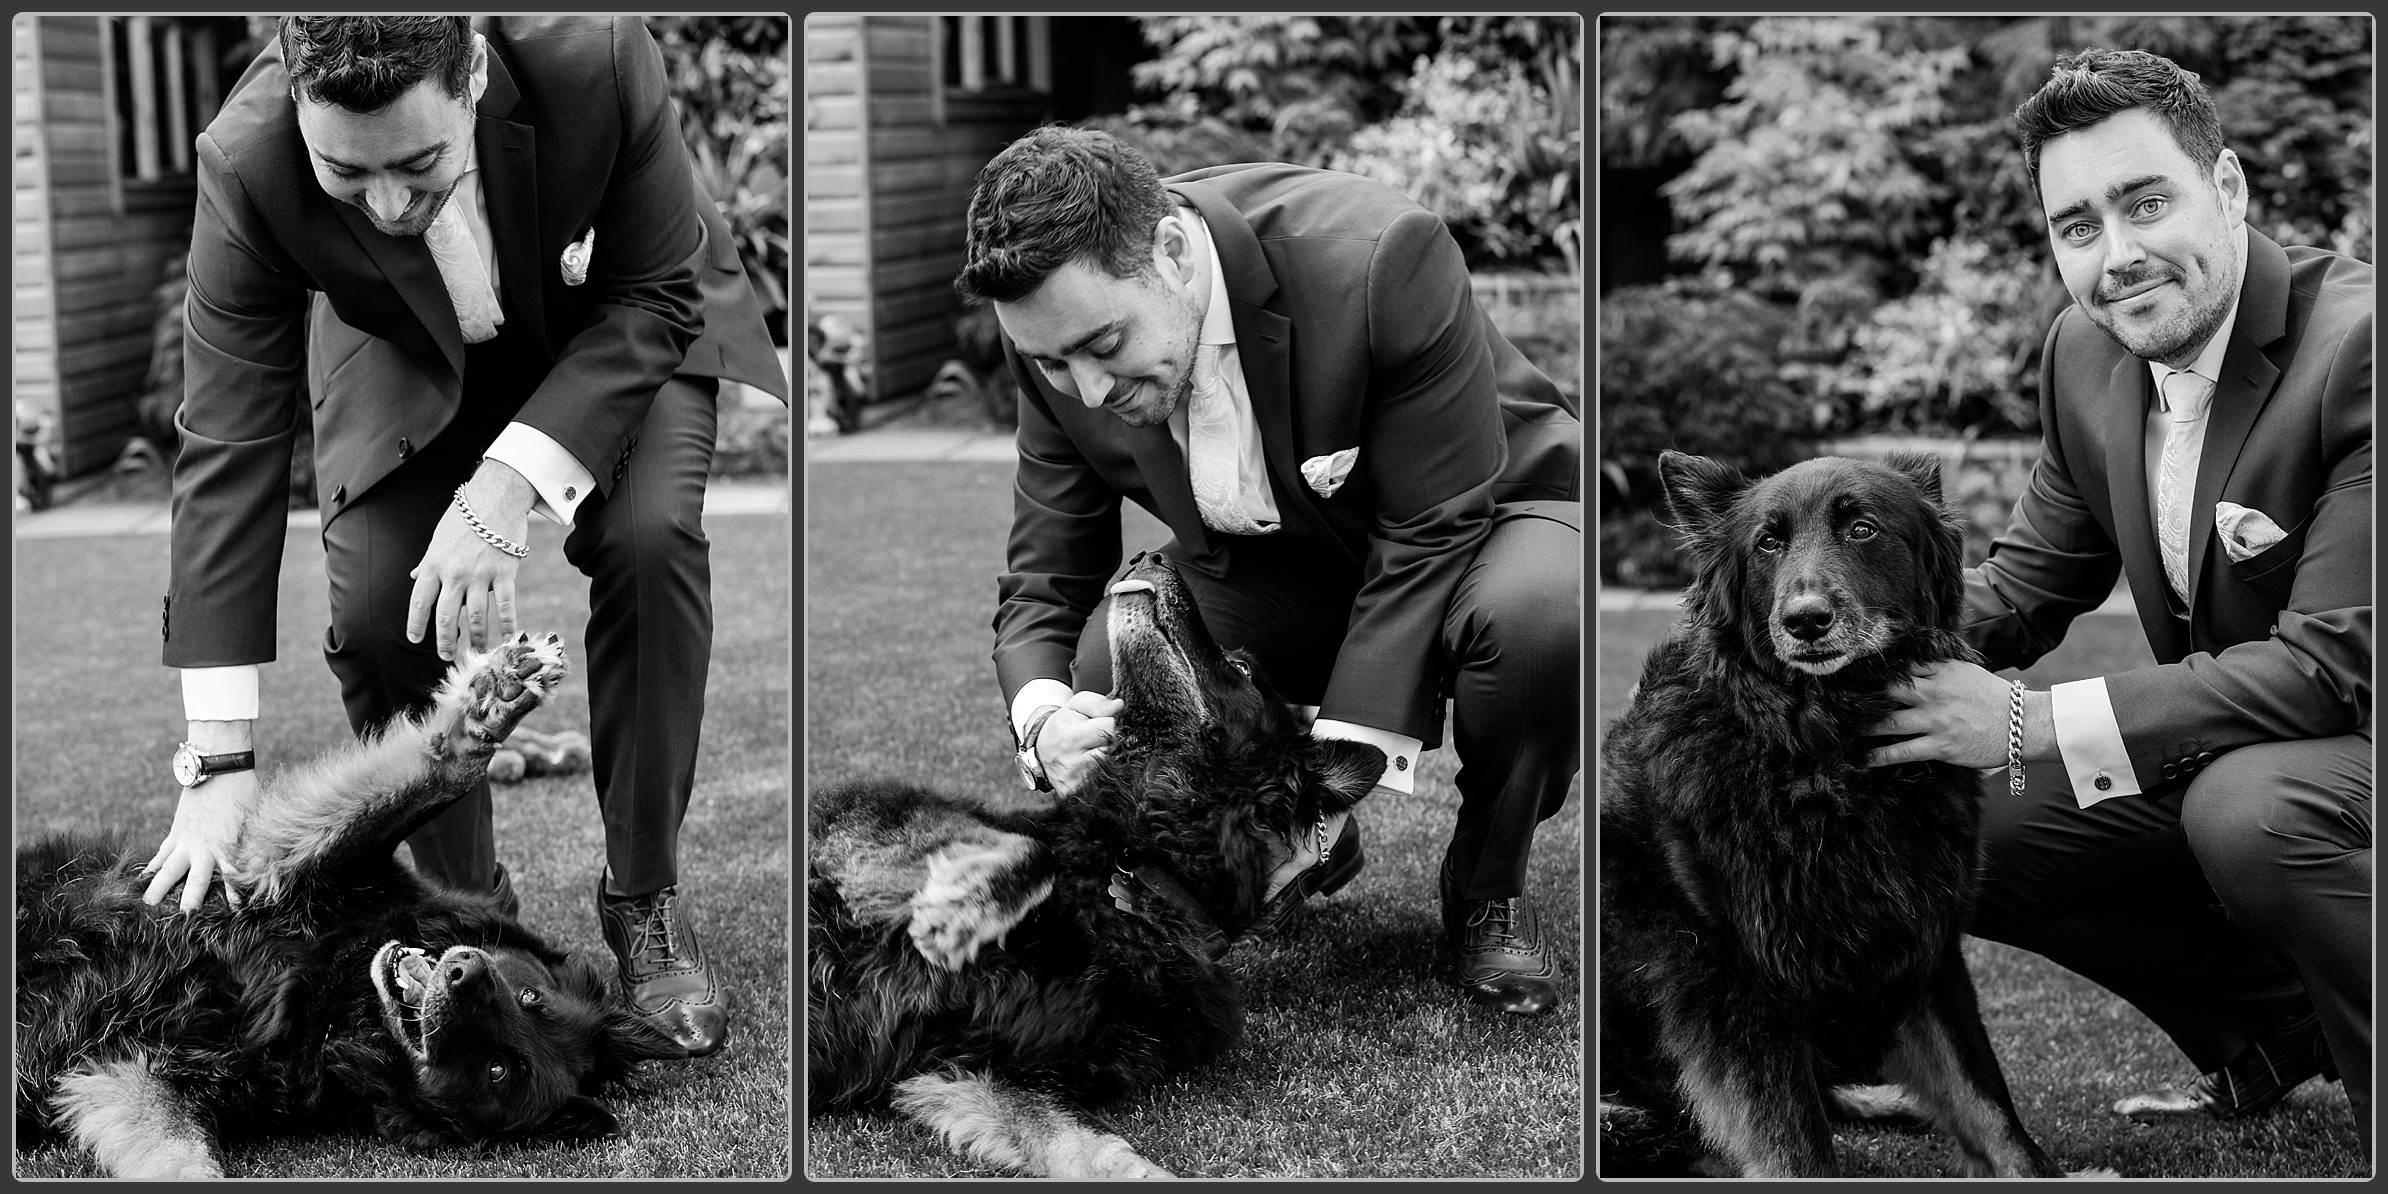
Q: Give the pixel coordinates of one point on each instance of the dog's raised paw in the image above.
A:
(508, 682)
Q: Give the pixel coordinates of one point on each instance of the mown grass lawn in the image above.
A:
(95, 717)
(2068, 1048)
(1356, 1061)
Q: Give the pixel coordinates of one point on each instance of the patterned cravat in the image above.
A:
(460, 268)
(2186, 396)
(1212, 447)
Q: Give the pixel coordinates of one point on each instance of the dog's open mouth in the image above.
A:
(1140, 624)
(405, 979)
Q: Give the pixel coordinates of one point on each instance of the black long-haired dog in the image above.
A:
(985, 973)
(344, 995)
(1775, 917)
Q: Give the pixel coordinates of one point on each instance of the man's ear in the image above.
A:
(2230, 186)
(1173, 250)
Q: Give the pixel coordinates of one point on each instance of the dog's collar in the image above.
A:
(1130, 886)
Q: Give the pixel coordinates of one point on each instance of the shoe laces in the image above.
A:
(1498, 918)
(652, 929)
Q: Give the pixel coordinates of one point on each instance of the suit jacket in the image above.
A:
(2273, 648)
(575, 131)
(1356, 328)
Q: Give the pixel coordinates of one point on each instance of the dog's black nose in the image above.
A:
(1807, 617)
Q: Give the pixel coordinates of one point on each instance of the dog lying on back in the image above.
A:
(985, 973)
(1775, 917)
(345, 995)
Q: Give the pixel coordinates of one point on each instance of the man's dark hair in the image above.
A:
(1052, 197)
(2095, 84)
(364, 64)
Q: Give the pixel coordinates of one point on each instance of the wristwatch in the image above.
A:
(1032, 772)
(192, 769)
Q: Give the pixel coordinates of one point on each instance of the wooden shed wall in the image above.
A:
(107, 246)
(836, 214)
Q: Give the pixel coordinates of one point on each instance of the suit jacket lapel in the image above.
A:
(406, 262)
(1162, 464)
(2244, 387)
(1263, 338)
(510, 189)
(2132, 391)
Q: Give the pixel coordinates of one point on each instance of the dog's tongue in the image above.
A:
(1132, 586)
(414, 974)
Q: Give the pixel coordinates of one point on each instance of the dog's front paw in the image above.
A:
(975, 893)
(950, 927)
(508, 682)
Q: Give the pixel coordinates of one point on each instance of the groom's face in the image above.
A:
(1124, 345)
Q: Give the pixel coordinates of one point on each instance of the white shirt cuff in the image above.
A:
(1035, 695)
(220, 693)
(1401, 750)
(562, 482)
(2090, 743)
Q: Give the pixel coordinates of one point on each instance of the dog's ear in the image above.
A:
(1698, 489)
(581, 1118)
(1923, 468)
(1340, 772)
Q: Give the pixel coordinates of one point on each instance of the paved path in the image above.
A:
(82, 519)
(952, 443)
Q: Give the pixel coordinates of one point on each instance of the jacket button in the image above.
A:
(340, 493)
(2102, 782)
(405, 449)
(2171, 771)
(2205, 757)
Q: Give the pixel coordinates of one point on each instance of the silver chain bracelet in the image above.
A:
(2015, 739)
(490, 537)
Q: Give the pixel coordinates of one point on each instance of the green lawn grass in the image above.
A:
(95, 716)
(2068, 1048)
(1356, 1061)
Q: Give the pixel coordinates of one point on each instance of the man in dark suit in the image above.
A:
(477, 249)
(2195, 835)
(1366, 484)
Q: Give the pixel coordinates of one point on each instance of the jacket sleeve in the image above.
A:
(1065, 543)
(650, 306)
(2310, 677)
(243, 357)
(2053, 563)
(1431, 448)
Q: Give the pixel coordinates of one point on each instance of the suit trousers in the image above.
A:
(649, 635)
(2220, 907)
(1512, 641)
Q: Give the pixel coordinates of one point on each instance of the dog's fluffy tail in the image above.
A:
(1017, 1129)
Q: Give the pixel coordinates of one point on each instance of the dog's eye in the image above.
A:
(497, 1073)
(1861, 530)
(1240, 666)
(530, 997)
(1770, 543)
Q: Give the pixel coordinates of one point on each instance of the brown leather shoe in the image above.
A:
(663, 972)
(1497, 954)
(2252, 1083)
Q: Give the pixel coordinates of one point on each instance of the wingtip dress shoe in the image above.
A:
(2251, 1083)
(1497, 953)
(663, 972)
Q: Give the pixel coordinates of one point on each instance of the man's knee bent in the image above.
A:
(2260, 817)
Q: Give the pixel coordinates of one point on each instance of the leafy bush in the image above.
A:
(1307, 83)
(1689, 365)
(730, 76)
(1957, 356)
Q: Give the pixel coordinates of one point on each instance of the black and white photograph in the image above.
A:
(1984, 667)
(403, 597)
(1193, 596)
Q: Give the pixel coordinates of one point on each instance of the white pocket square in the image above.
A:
(1326, 473)
(575, 262)
(2245, 531)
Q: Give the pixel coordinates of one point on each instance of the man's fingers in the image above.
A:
(476, 629)
(501, 601)
(194, 889)
(447, 607)
(419, 603)
(169, 874)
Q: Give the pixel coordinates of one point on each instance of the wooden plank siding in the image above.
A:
(836, 219)
(98, 248)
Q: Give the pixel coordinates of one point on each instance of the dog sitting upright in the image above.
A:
(1775, 916)
(346, 994)
(985, 972)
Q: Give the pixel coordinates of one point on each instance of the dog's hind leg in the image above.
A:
(1754, 1096)
(1944, 1059)
(134, 1123)
(1009, 1128)
(369, 796)
(959, 883)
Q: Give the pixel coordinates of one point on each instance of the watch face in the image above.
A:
(186, 765)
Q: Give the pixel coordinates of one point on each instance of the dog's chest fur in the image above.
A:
(1758, 833)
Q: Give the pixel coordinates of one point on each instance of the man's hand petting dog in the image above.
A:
(464, 586)
(1957, 712)
(1071, 744)
(198, 849)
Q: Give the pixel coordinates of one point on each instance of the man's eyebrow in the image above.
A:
(417, 156)
(2114, 194)
(1082, 341)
